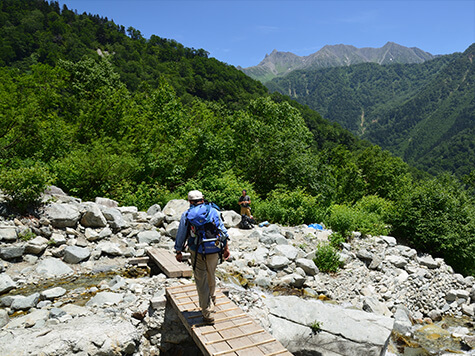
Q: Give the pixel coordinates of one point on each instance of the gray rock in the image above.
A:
(174, 208)
(6, 283)
(12, 252)
(157, 219)
(402, 321)
(231, 219)
(74, 254)
(25, 303)
(105, 298)
(110, 248)
(391, 241)
(398, 261)
(53, 267)
(371, 304)
(91, 235)
(287, 251)
(307, 265)
(148, 237)
(155, 208)
(364, 255)
(53, 293)
(36, 246)
(293, 280)
(106, 202)
(281, 240)
(172, 229)
(8, 234)
(58, 239)
(114, 218)
(92, 216)
(102, 336)
(343, 331)
(105, 233)
(428, 261)
(4, 318)
(62, 215)
(278, 262)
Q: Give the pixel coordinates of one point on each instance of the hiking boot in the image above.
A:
(208, 320)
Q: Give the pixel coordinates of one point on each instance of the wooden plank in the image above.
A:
(233, 333)
(139, 260)
(168, 264)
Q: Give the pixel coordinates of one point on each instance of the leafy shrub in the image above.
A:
(438, 217)
(289, 207)
(367, 216)
(141, 195)
(96, 170)
(327, 258)
(336, 239)
(24, 185)
(342, 219)
(27, 235)
(224, 190)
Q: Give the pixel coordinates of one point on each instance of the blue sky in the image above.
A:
(241, 32)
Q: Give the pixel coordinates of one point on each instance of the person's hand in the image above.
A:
(179, 256)
(226, 253)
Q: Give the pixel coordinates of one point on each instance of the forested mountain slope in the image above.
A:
(421, 112)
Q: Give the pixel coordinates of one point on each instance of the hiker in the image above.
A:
(205, 254)
(245, 202)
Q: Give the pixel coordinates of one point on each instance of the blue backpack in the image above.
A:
(204, 233)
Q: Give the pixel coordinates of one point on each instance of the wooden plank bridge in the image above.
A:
(166, 261)
(233, 332)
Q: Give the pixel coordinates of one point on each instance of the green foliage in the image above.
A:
(342, 219)
(27, 235)
(24, 185)
(141, 195)
(423, 112)
(223, 189)
(327, 258)
(336, 239)
(316, 327)
(438, 217)
(368, 216)
(93, 171)
(289, 207)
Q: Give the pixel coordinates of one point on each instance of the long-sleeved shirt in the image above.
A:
(181, 235)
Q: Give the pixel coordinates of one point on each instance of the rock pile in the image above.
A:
(383, 286)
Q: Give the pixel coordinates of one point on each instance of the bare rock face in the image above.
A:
(103, 336)
(314, 327)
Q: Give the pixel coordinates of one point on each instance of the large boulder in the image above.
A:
(36, 246)
(148, 237)
(8, 233)
(114, 218)
(75, 254)
(62, 215)
(12, 252)
(53, 267)
(230, 219)
(98, 335)
(174, 209)
(92, 215)
(6, 283)
(314, 327)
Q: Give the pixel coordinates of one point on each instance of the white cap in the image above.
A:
(195, 195)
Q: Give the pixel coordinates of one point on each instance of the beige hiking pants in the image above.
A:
(205, 280)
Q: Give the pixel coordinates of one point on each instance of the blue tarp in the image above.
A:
(316, 226)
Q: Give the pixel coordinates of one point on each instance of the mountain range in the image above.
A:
(422, 112)
(279, 64)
